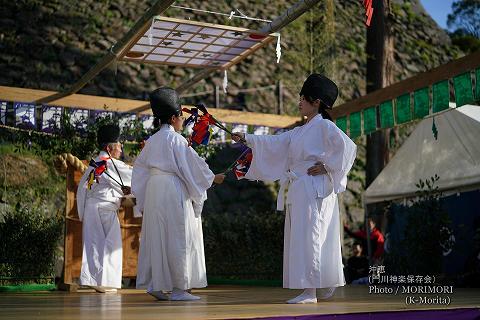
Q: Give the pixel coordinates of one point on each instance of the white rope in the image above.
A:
(233, 92)
(272, 86)
(241, 13)
(230, 15)
(202, 93)
(150, 33)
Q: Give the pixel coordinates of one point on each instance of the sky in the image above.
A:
(438, 10)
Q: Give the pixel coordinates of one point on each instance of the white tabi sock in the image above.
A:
(159, 295)
(308, 295)
(326, 293)
(98, 289)
(182, 295)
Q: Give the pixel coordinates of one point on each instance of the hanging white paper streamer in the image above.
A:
(231, 15)
(279, 49)
(150, 34)
(225, 81)
(114, 63)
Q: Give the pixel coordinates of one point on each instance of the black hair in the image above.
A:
(356, 243)
(322, 109)
(164, 119)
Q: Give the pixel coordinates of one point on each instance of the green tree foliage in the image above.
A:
(425, 233)
(465, 17)
(28, 245)
(466, 42)
(465, 21)
(244, 245)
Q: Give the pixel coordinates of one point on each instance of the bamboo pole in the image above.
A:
(115, 51)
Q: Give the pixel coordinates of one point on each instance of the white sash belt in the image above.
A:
(285, 181)
(295, 171)
(158, 172)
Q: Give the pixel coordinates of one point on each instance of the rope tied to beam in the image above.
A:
(62, 161)
(229, 15)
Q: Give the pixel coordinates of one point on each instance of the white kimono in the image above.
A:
(170, 182)
(102, 238)
(312, 250)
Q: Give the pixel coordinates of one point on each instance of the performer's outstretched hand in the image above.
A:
(238, 136)
(219, 177)
(317, 169)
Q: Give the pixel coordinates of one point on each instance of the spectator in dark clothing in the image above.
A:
(357, 265)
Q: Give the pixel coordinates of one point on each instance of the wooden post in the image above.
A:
(91, 117)
(38, 117)
(379, 75)
(69, 235)
(279, 97)
(216, 92)
(10, 114)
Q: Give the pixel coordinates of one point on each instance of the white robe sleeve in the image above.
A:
(270, 156)
(339, 155)
(140, 175)
(194, 172)
(82, 193)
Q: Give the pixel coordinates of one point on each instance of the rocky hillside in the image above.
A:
(48, 44)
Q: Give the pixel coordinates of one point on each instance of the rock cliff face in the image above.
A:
(48, 44)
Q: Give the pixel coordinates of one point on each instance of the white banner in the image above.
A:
(51, 118)
(3, 112)
(24, 115)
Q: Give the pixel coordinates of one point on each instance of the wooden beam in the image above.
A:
(422, 80)
(253, 118)
(73, 101)
(127, 105)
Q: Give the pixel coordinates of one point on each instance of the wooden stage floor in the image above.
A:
(218, 302)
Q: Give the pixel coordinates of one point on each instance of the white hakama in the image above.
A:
(312, 249)
(170, 182)
(102, 238)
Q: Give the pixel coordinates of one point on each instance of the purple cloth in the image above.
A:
(446, 314)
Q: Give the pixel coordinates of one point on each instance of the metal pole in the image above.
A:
(115, 51)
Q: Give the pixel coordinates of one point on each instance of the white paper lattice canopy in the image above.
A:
(194, 44)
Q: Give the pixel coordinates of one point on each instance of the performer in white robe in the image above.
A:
(312, 161)
(97, 207)
(170, 182)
